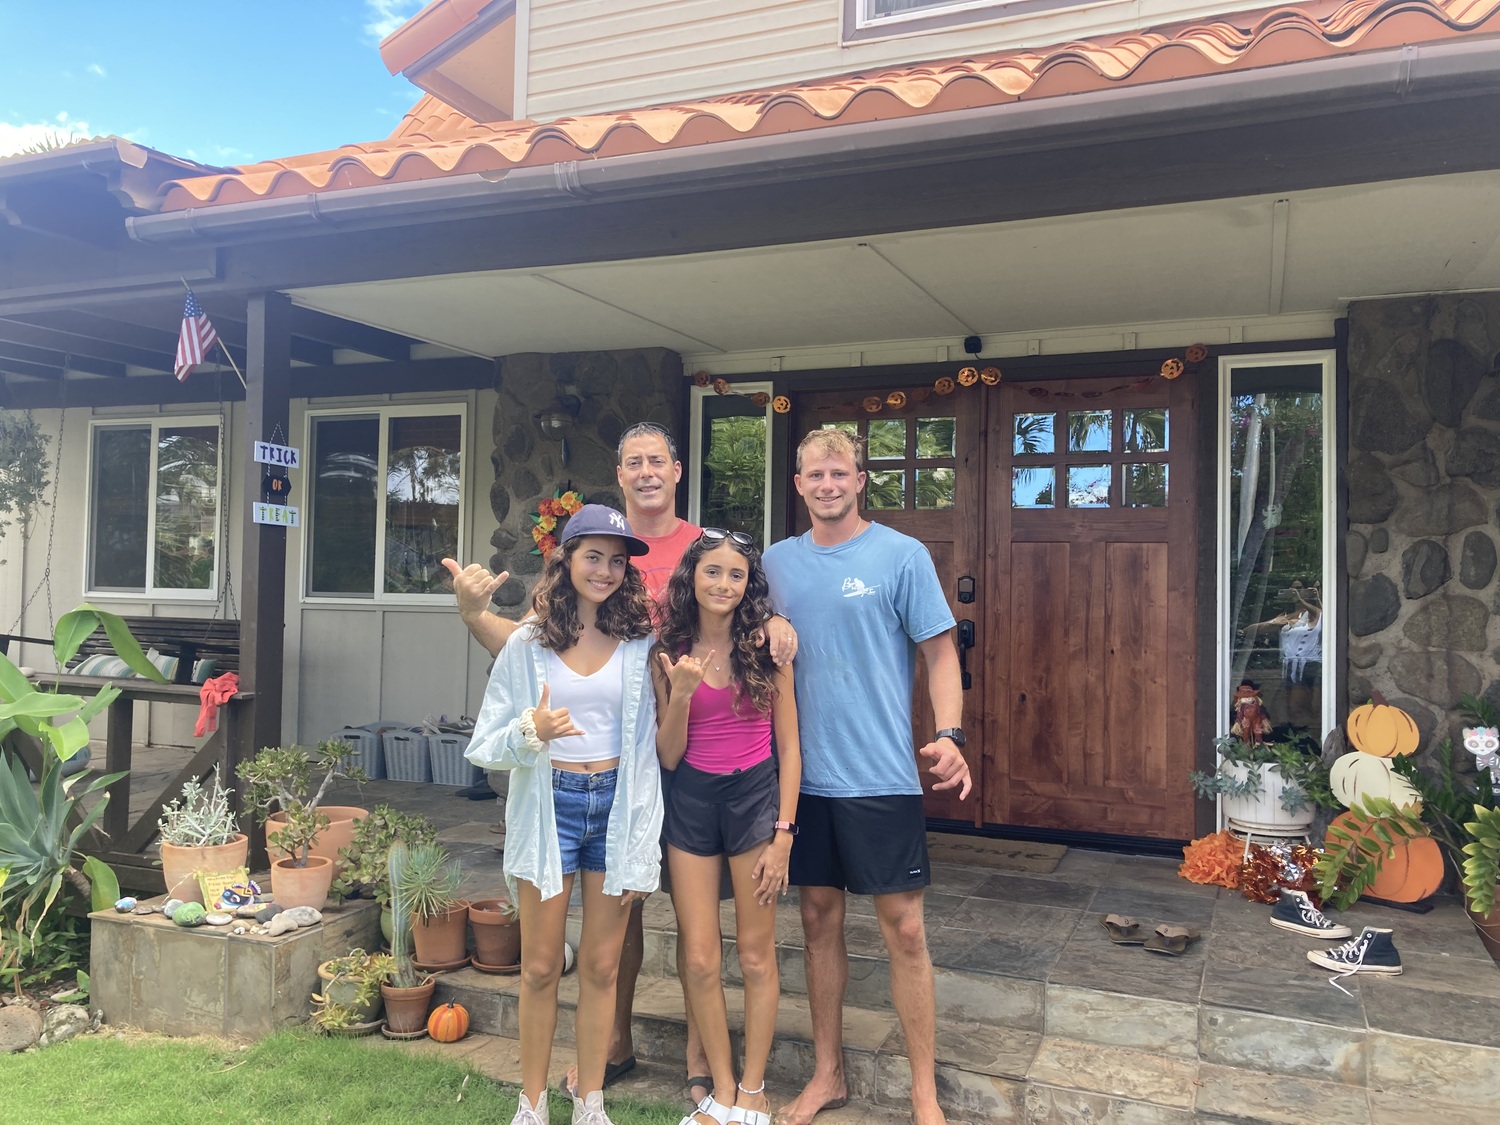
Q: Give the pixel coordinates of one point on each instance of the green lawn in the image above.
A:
(294, 1076)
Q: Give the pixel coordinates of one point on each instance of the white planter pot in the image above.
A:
(1263, 814)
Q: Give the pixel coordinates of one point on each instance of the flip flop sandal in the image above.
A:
(1122, 930)
(1171, 939)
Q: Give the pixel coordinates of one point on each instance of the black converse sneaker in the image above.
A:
(1371, 952)
(1294, 911)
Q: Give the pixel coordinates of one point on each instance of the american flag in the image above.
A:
(195, 339)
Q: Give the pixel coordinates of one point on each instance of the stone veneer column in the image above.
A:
(615, 390)
(1424, 483)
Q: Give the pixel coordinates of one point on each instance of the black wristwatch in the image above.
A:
(955, 733)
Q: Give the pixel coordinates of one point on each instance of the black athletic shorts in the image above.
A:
(868, 845)
(722, 813)
(726, 882)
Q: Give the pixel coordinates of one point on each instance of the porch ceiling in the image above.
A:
(1303, 252)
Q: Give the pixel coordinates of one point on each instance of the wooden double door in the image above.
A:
(1062, 518)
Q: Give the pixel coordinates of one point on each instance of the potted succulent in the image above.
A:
(282, 776)
(497, 934)
(1273, 787)
(199, 834)
(366, 868)
(349, 1001)
(426, 887)
(407, 994)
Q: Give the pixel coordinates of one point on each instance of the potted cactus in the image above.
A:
(407, 994)
(428, 887)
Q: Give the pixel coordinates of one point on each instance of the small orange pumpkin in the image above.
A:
(1380, 729)
(448, 1023)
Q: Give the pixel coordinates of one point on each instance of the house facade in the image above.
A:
(1170, 328)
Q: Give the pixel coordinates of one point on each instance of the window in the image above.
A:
(731, 439)
(868, 19)
(385, 491)
(154, 507)
(1105, 457)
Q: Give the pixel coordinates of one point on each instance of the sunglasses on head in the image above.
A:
(740, 539)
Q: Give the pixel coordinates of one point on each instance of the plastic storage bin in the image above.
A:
(449, 766)
(406, 756)
(370, 755)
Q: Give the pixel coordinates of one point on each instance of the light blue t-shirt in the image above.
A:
(859, 609)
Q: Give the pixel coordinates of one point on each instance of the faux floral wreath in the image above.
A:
(562, 503)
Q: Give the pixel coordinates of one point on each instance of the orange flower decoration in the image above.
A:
(968, 376)
(1196, 353)
(550, 509)
(1171, 368)
(781, 404)
(760, 399)
(702, 378)
(546, 523)
(896, 400)
(546, 545)
(1213, 859)
(721, 386)
(944, 386)
(570, 502)
(989, 376)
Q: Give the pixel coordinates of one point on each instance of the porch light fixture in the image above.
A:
(557, 420)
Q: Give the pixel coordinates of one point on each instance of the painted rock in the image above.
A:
(124, 905)
(189, 914)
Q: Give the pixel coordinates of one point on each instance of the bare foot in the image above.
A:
(823, 1092)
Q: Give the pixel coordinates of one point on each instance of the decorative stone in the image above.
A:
(1365, 655)
(513, 593)
(1435, 676)
(499, 497)
(1476, 455)
(267, 912)
(190, 914)
(1444, 510)
(169, 907)
(1453, 375)
(281, 924)
(20, 1026)
(144, 909)
(240, 929)
(516, 446)
(1373, 605)
(525, 486)
(125, 905)
(249, 910)
(218, 918)
(1488, 406)
(1372, 493)
(1455, 621)
(1424, 568)
(1424, 716)
(304, 915)
(1355, 548)
(1476, 563)
(1382, 419)
(1380, 541)
(61, 1023)
(1417, 468)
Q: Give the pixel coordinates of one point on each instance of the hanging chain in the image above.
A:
(45, 581)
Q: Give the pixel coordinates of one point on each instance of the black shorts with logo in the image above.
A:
(721, 813)
(868, 845)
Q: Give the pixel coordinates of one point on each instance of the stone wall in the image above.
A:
(614, 390)
(1424, 485)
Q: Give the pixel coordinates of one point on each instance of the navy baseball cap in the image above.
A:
(600, 519)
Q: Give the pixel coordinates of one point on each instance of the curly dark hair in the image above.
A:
(752, 671)
(625, 614)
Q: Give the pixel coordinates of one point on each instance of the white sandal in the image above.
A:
(718, 1111)
(739, 1115)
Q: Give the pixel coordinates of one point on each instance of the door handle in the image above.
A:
(965, 643)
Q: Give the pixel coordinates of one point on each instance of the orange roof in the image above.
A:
(434, 140)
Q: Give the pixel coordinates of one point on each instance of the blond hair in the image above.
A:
(832, 443)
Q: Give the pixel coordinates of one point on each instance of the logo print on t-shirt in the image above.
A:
(854, 588)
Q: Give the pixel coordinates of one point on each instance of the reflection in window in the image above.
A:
(121, 508)
(1088, 486)
(1088, 431)
(1032, 487)
(1145, 486)
(935, 437)
(850, 428)
(1033, 433)
(734, 469)
(1145, 430)
(935, 488)
(1276, 541)
(342, 512)
(887, 439)
(885, 490)
(421, 502)
(187, 506)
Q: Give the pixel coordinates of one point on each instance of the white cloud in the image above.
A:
(15, 138)
(385, 16)
(97, 71)
(221, 155)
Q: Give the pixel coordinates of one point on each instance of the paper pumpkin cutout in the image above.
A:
(1355, 776)
(1382, 730)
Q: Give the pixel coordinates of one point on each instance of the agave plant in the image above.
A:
(429, 882)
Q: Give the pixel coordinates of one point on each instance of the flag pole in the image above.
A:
(222, 347)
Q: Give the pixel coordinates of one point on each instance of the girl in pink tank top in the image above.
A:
(718, 698)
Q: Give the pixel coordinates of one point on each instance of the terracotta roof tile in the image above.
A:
(435, 140)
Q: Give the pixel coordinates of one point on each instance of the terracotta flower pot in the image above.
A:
(1488, 926)
(338, 834)
(345, 992)
(443, 939)
(497, 934)
(181, 866)
(302, 886)
(406, 1008)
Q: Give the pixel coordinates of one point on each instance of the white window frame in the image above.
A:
(150, 591)
(695, 451)
(384, 412)
(1331, 578)
(864, 20)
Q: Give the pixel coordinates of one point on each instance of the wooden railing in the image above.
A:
(117, 840)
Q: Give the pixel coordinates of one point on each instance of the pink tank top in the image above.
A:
(719, 740)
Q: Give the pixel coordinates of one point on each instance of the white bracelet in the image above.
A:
(528, 730)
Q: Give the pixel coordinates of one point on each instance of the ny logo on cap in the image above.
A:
(617, 520)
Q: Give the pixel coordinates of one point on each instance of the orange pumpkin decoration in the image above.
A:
(1410, 870)
(449, 1023)
(1380, 729)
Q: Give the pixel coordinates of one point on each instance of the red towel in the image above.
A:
(215, 692)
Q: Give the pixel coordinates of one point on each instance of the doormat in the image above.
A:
(1001, 855)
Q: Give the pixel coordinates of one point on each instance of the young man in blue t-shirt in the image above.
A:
(865, 601)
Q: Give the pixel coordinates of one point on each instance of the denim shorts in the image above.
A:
(581, 802)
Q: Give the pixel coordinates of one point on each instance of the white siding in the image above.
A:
(588, 56)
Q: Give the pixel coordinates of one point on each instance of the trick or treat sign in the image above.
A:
(275, 484)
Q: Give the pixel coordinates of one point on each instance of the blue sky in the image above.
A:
(219, 81)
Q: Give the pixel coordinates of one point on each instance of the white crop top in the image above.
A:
(594, 703)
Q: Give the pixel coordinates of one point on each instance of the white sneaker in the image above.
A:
(528, 1114)
(589, 1110)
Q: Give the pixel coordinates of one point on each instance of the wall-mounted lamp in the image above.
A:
(557, 420)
